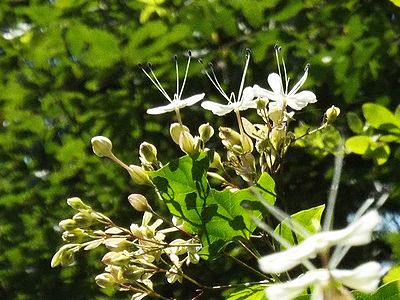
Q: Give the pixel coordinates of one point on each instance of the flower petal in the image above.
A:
(365, 277)
(191, 100)
(162, 109)
(264, 93)
(217, 108)
(275, 82)
(285, 260)
(290, 289)
(300, 100)
(247, 100)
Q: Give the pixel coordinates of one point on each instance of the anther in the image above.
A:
(190, 53)
(200, 61)
(175, 57)
(306, 67)
(149, 65)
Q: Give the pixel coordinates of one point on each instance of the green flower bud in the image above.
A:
(230, 135)
(331, 114)
(77, 204)
(247, 144)
(175, 131)
(216, 163)
(206, 132)
(76, 235)
(67, 258)
(115, 258)
(67, 224)
(139, 202)
(105, 280)
(57, 258)
(101, 146)
(83, 219)
(148, 152)
(139, 175)
(261, 103)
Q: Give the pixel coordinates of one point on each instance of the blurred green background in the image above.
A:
(68, 71)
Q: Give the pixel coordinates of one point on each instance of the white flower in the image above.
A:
(176, 102)
(357, 233)
(294, 99)
(19, 30)
(246, 101)
(365, 278)
(243, 101)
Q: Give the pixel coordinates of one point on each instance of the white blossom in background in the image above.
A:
(19, 30)
(364, 278)
(279, 84)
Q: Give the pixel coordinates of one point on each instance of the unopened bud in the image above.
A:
(139, 202)
(67, 224)
(105, 280)
(148, 152)
(83, 219)
(175, 131)
(139, 175)
(206, 132)
(247, 144)
(115, 258)
(101, 146)
(331, 114)
(216, 162)
(74, 236)
(230, 135)
(188, 143)
(77, 204)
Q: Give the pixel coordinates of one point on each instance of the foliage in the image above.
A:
(73, 75)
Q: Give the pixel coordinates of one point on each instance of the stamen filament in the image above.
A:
(239, 97)
(186, 73)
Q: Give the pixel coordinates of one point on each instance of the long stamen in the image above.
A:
(277, 50)
(216, 84)
(239, 97)
(286, 78)
(177, 78)
(155, 81)
(186, 73)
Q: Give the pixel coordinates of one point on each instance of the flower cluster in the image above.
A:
(134, 255)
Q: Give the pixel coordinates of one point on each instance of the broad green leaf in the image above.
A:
(389, 291)
(354, 122)
(359, 144)
(216, 216)
(310, 219)
(392, 275)
(255, 292)
(380, 154)
(389, 138)
(396, 2)
(380, 117)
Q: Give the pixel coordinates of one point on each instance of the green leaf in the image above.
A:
(393, 274)
(380, 154)
(389, 291)
(354, 122)
(359, 144)
(309, 218)
(396, 2)
(216, 216)
(380, 117)
(255, 292)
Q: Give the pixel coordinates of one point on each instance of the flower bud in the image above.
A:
(139, 175)
(216, 162)
(188, 143)
(105, 280)
(67, 258)
(139, 202)
(261, 103)
(115, 258)
(76, 235)
(206, 132)
(83, 219)
(67, 224)
(101, 146)
(230, 135)
(77, 204)
(247, 144)
(175, 131)
(331, 114)
(148, 152)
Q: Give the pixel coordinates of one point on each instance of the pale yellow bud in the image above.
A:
(105, 280)
(188, 143)
(139, 202)
(83, 219)
(331, 114)
(148, 152)
(139, 175)
(206, 132)
(216, 163)
(230, 135)
(115, 258)
(67, 224)
(175, 131)
(101, 146)
(77, 204)
(247, 144)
